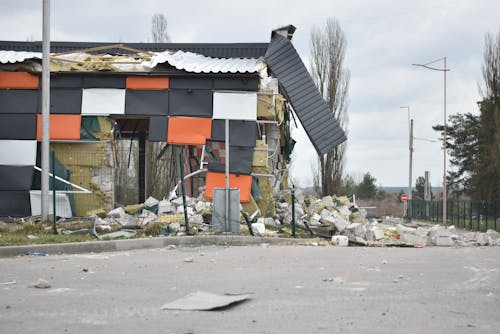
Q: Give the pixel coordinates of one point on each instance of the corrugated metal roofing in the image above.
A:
(216, 50)
(313, 112)
(192, 62)
(17, 56)
(186, 61)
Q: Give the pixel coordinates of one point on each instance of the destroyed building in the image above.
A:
(159, 97)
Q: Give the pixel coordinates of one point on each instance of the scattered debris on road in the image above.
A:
(205, 301)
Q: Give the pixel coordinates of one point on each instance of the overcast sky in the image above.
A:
(384, 38)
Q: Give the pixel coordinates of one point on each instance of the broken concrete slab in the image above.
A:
(355, 230)
(205, 301)
(258, 229)
(374, 234)
(340, 240)
(413, 239)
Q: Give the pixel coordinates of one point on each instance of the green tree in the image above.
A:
(474, 141)
(419, 191)
(366, 188)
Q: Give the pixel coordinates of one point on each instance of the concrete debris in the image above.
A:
(340, 240)
(205, 301)
(40, 284)
(259, 229)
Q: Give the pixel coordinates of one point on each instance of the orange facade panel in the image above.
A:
(189, 130)
(147, 82)
(62, 127)
(218, 180)
(18, 80)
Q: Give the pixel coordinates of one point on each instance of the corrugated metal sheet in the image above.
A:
(320, 125)
(7, 57)
(192, 62)
(186, 61)
(216, 50)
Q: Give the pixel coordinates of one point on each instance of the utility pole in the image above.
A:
(444, 70)
(410, 162)
(45, 110)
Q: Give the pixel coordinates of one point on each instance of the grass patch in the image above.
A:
(14, 239)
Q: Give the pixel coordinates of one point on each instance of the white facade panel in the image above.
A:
(103, 101)
(18, 152)
(239, 106)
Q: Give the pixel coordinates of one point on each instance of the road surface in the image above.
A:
(294, 290)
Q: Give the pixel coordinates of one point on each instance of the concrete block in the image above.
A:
(374, 234)
(356, 230)
(340, 240)
(258, 229)
(413, 239)
(443, 241)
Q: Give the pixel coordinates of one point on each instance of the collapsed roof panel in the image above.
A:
(319, 123)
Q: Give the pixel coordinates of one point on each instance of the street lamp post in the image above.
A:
(410, 164)
(444, 70)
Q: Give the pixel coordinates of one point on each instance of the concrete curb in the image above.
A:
(159, 242)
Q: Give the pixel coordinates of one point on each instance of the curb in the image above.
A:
(144, 243)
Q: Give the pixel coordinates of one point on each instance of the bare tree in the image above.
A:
(159, 29)
(328, 72)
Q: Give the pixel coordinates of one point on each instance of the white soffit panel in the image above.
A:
(103, 101)
(18, 152)
(239, 106)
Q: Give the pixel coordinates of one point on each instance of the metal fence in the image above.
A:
(471, 215)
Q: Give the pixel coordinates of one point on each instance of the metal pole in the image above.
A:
(410, 190)
(183, 189)
(45, 109)
(53, 156)
(444, 149)
(293, 211)
(226, 129)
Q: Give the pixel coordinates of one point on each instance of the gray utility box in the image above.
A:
(219, 212)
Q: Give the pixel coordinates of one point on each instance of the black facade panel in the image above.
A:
(66, 81)
(240, 161)
(313, 112)
(244, 84)
(191, 102)
(65, 101)
(190, 83)
(241, 133)
(15, 177)
(19, 101)
(158, 127)
(146, 102)
(15, 203)
(103, 81)
(18, 126)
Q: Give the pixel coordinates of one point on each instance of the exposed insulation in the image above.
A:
(266, 204)
(90, 165)
(251, 206)
(265, 105)
(260, 156)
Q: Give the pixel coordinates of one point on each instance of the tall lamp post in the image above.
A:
(444, 70)
(410, 164)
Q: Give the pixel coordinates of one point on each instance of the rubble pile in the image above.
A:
(337, 218)
(154, 217)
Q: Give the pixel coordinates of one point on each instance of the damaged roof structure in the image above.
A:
(175, 94)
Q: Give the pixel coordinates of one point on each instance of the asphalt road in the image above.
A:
(295, 290)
